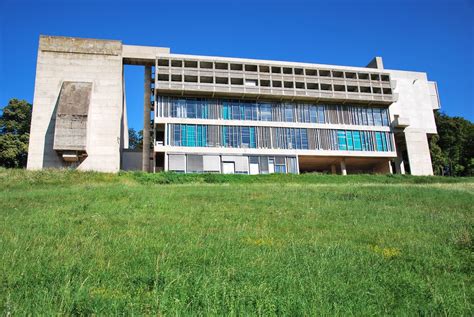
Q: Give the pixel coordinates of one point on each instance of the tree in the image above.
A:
(452, 150)
(135, 139)
(15, 133)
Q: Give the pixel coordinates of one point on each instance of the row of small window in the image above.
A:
(298, 71)
(201, 108)
(278, 138)
(229, 164)
(273, 83)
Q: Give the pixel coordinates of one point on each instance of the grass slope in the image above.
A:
(83, 243)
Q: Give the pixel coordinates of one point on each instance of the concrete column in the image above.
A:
(333, 169)
(390, 170)
(146, 120)
(343, 167)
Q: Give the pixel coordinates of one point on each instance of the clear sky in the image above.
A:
(431, 36)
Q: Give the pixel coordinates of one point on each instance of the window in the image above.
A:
(357, 141)
(266, 112)
(341, 140)
(350, 143)
(379, 142)
(251, 82)
(288, 113)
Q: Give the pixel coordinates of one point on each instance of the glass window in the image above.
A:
(378, 140)
(377, 117)
(304, 139)
(288, 114)
(341, 139)
(191, 135)
(252, 138)
(384, 113)
(370, 116)
(357, 141)
(245, 137)
(177, 135)
(266, 112)
(226, 110)
(321, 116)
(350, 144)
(313, 114)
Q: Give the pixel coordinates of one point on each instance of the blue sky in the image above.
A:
(431, 36)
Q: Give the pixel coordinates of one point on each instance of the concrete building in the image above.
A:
(227, 115)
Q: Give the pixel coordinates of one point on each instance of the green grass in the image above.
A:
(133, 243)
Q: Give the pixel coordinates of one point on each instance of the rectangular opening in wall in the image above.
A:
(276, 83)
(265, 83)
(276, 70)
(207, 79)
(251, 68)
(178, 78)
(339, 88)
(190, 79)
(376, 90)
(299, 85)
(222, 80)
(236, 81)
(363, 76)
(264, 69)
(236, 66)
(251, 82)
(352, 88)
(299, 71)
(288, 70)
(312, 86)
(365, 89)
(206, 65)
(175, 63)
(337, 74)
(190, 64)
(163, 62)
(351, 75)
(374, 77)
(223, 66)
(311, 72)
(163, 77)
(324, 73)
(387, 91)
(385, 78)
(326, 87)
(288, 84)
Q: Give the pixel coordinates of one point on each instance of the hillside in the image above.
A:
(83, 243)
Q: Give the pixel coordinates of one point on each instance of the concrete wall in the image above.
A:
(80, 60)
(131, 161)
(415, 105)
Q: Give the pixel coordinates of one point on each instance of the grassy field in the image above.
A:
(88, 243)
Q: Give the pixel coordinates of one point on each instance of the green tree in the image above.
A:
(15, 123)
(135, 139)
(452, 150)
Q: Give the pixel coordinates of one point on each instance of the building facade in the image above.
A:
(227, 115)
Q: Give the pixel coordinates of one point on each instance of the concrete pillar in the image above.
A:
(343, 167)
(146, 120)
(333, 169)
(390, 170)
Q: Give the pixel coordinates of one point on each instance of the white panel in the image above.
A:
(211, 163)
(254, 169)
(176, 162)
(228, 167)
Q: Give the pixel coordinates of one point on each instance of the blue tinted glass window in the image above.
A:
(252, 138)
(177, 135)
(288, 113)
(266, 112)
(313, 114)
(191, 135)
(370, 116)
(321, 117)
(304, 139)
(341, 139)
(378, 140)
(384, 113)
(350, 144)
(377, 117)
(357, 141)
(226, 111)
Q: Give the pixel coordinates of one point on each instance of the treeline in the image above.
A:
(452, 150)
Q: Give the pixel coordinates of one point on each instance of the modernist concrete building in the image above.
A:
(227, 115)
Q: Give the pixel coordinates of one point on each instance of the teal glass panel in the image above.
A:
(226, 111)
(341, 138)
(378, 140)
(191, 135)
(183, 135)
(350, 144)
(252, 138)
(357, 141)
